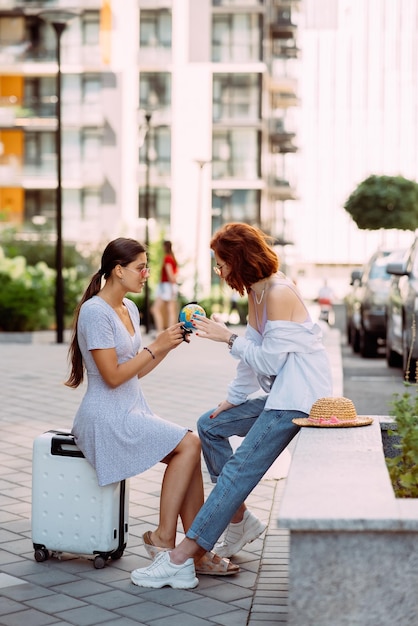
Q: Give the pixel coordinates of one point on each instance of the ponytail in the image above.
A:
(74, 353)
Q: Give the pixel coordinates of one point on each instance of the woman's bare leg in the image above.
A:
(157, 313)
(181, 491)
(172, 310)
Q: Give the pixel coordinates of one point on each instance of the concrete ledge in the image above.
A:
(353, 545)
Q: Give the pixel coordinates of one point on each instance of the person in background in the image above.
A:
(326, 300)
(283, 358)
(115, 428)
(167, 291)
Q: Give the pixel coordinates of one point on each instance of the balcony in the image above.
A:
(280, 189)
(281, 140)
(283, 29)
(283, 92)
(285, 49)
(44, 175)
(285, 4)
(80, 5)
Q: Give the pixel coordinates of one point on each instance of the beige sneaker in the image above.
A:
(237, 535)
(162, 572)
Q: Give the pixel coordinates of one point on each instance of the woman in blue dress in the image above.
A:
(114, 426)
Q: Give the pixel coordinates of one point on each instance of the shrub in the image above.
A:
(26, 295)
(403, 468)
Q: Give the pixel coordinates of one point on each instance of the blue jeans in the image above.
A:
(267, 433)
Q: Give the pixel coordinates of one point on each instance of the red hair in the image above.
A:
(248, 253)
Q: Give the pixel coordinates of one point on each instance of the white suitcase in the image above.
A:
(70, 512)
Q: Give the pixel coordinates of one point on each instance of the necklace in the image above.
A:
(259, 301)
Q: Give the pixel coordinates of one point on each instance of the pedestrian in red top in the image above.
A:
(165, 307)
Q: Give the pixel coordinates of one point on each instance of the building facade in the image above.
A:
(177, 116)
(181, 115)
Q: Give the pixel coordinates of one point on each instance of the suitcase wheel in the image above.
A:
(99, 561)
(117, 554)
(41, 554)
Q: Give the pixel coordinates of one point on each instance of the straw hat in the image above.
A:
(333, 413)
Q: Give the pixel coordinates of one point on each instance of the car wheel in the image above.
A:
(355, 340)
(368, 344)
(393, 359)
(409, 365)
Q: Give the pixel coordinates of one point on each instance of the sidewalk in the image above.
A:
(70, 590)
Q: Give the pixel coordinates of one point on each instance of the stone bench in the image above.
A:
(353, 546)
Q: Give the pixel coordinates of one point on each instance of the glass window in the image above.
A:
(91, 88)
(40, 203)
(39, 148)
(239, 205)
(237, 37)
(159, 204)
(91, 29)
(40, 96)
(230, 3)
(159, 150)
(236, 153)
(155, 29)
(91, 145)
(91, 205)
(154, 90)
(236, 96)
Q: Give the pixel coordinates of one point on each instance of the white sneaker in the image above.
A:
(163, 572)
(237, 535)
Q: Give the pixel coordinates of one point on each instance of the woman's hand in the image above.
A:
(170, 338)
(211, 329)
(222, 406)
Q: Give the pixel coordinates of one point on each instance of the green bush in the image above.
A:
(26, 295)
(403, 468)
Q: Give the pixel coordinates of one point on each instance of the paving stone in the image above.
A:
(69, 591)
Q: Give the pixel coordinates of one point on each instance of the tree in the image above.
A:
(384, 202)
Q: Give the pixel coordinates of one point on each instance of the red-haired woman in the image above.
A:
(281, 354)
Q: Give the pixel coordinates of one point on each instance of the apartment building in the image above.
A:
(176, 116)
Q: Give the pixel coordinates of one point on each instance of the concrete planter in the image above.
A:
(353, 545)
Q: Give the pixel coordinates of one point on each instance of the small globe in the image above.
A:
(187, 312)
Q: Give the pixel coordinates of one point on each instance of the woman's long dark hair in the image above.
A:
(121, 251)
(168, 249)
(248, 253)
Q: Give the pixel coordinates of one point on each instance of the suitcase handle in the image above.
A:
(63, 444)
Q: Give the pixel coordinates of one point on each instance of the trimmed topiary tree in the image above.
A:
(384, 202)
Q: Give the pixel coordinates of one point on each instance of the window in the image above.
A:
(155, 29)
(236, 153)
(236, 96)
(237, 37)
(159, 204)
(40, 149)
(91, 205)
(158, 144)
(154, 90)
(91, 146)
(91, 29)
(91, 85)
(40, 96)
(239, 205)
(40, 203)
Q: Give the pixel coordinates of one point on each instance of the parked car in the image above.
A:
(351, 311)
(366, 304)
(402, 314)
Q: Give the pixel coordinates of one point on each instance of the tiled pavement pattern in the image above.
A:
(70, 590)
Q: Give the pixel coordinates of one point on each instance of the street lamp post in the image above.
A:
(58, 20)
(201, 163)
(148, 117)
